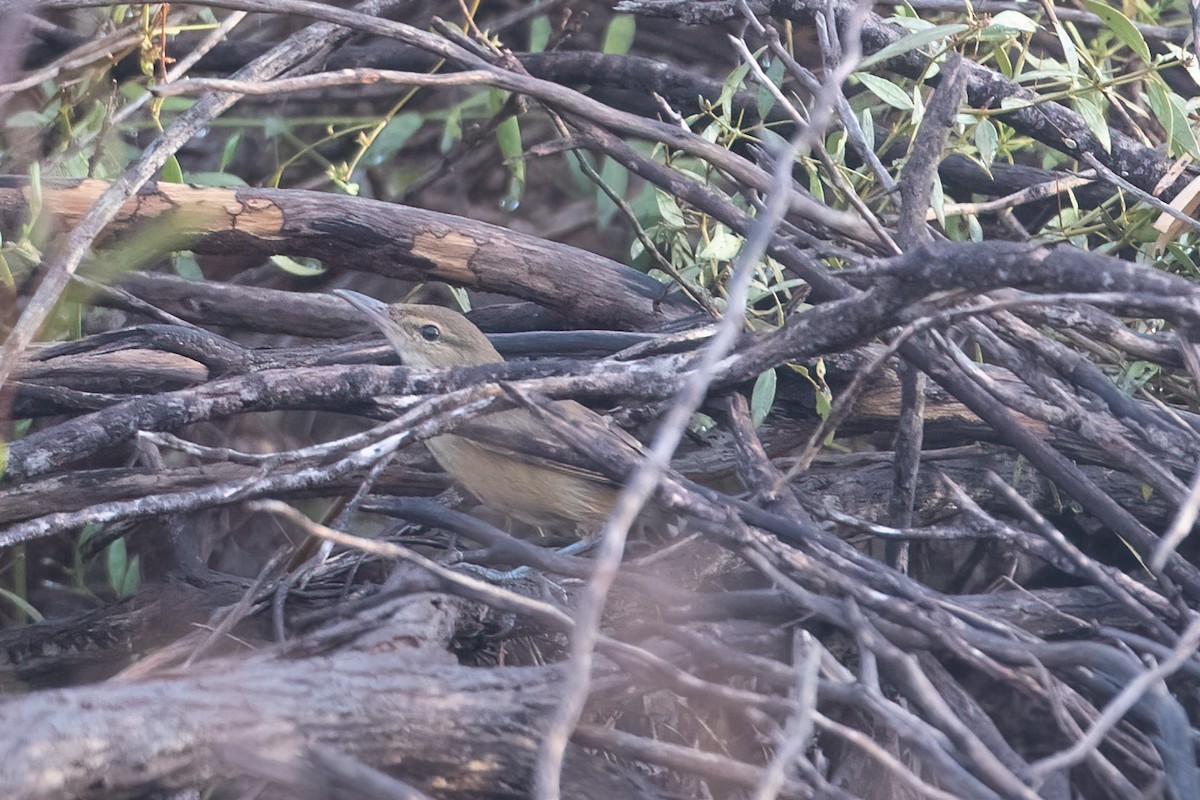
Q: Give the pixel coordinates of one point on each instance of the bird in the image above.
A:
(504, 459)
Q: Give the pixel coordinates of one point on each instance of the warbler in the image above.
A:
(500, 458)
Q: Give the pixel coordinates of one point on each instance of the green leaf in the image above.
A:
(1181, 127)
(1169, 110)
(700, 424)
(171, 171)
(1182, 256)
(824, 405)
(539, 33)
(1003, 61)
(723, 245)
(304, 269)
(886, 91)
(867, 123)
(1009, 23)
(1070, 54)
(668, 210)
(762, 397)
(132, 579)
(937, 201)
(22, 605)
(227, 152)
(27, 119)
(1094, 117)
(186, 266)
(275, 126)
(616, 177)
(89, 531)
(393, 137)
(918, 106)
(766, 100)
(1120, 25)
(508, 136)
(452, 130)
(912, 41)
(619, 36)
(987, 140)
(975, 230)
(219, 179)
(733, 82)
(815, 187)
(461, 297)
(116, 563)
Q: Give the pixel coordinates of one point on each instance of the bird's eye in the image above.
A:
(430, 333)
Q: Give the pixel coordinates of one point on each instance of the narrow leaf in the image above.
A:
(886, 91)
(987, 140)
(1094, 117)
(762, 397)
(171, 171)
(1008, 23)
(912, 41)
(539, 33)
(619, 36)
(1121, 26)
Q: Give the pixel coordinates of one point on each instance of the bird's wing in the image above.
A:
(519, 434)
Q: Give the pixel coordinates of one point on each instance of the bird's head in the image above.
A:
(426, 336)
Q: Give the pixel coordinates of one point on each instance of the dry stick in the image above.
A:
(809, 81)
(1077, 378)
(929, 742)
(843, 404)
(471, 588)
(1181, 525)
(133, 301)
(677, 757)
(565, 100)
(326, 80)
(1051, 123)
(1086, 566)
(428, 419)
(1039, 191)
(697, 294)
(547, 91)
(180, 68)
(361, 18)
(1067, 558)
(815, 605)
(506, 600)
(798, 732)
(1049, 460)
(1185, 515)
(639, 488)
(60, 269)
(919, 690)
(1128, 697)
(916, 186)
(88, 53)
(834, 175)
(777, 673)
(1144, 196)
(1171, 33)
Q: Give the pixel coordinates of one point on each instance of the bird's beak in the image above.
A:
(374, 309)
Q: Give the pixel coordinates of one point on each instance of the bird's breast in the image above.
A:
(541, 496)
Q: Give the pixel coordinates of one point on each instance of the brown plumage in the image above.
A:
(499, 458)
